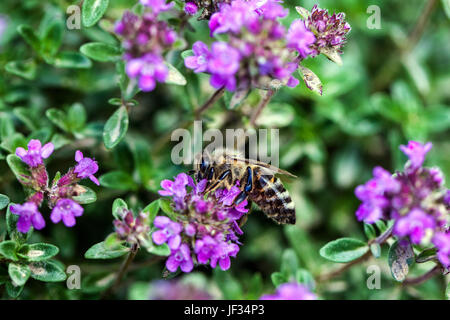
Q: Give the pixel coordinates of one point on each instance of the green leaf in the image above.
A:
(289, 263)
(332, 54)
(187, 53)
(112, 241)
(175, 76)
(344, 250)
(400, 258)
(8, 250)
(23, 68)
(305, 277)
(88, 196)
(115, 128)
(19, 169)
(92, 11)
(11, 227)
(278, 278)
(76, 117)
(303, 12)
(426, 255)
(152, 210)
(276, 115)
(30, 37)
(234, 100)
(118, 208)
(369, 230)
(13, 290)
(119, 180)
(58, 117)
(311, 80)
(74, 60)
(48, 271)
(446, 5)
(97, 282)
(142, 160)
(4, 200)
(375, 248)
(52, 38)
(38, 251)
(161, 250)
(102, 52)
(100, 251)
(19, 273)
(166, 207)
(447, 290)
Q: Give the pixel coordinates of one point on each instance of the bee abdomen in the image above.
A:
(274, 200)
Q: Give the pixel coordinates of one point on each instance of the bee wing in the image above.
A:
(263, 164)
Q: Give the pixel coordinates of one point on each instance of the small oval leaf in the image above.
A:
(115, 128)
(344, 250)
(92, 11)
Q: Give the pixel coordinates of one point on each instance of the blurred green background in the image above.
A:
(393, 87)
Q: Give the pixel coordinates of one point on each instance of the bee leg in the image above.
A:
(247, 188)
(190, 172)
(219, 180)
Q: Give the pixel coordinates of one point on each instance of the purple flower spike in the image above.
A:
(67, 210)
(35, 153)
(180, 258)
(290, 291)
(29, 215)
(190, 8)
(415, 224)
(199, 61)
(169, 232)
(416, 153)
(300, 38)
(157, 5)
(86, 167)
(442, 242)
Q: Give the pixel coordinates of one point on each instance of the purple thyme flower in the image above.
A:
(414, 225)
(132, 229)
(169, 232)
(145, 39)
(157, 5)
(413, 198)
(86, 167)
(330, 31)
(67, 210)
(207, 223)
(190, 8)
(198, 62)
(416, 153)
(442, 242)
(35, 153)
(223, 64)
(180, 258)
(290, 291)
(300, 38)
(29, 215)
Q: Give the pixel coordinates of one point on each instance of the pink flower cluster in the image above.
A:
(415, 199)
(59, 195)
(259, 48)
(145, 39)
(205, 230)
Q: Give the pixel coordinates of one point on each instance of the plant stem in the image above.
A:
(380, 240)
(210, 102)
(122, 271)
(264, 102)
(429, 274)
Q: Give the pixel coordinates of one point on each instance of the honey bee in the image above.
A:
(257, 182)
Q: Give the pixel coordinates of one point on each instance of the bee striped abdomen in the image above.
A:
(273, 199)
